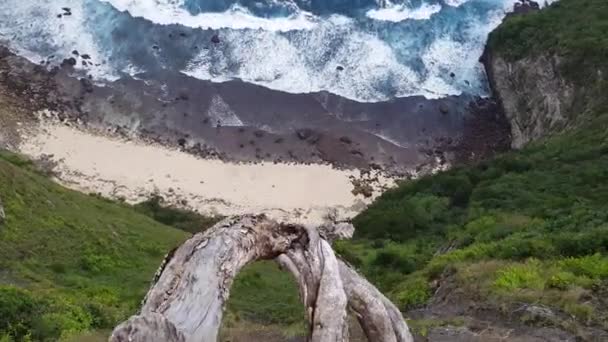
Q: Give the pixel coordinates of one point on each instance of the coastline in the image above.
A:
(133, 171)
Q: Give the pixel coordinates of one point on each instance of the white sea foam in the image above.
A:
(455, 3)
(34, 30)
(368, 64)
(401, 12)
(166, 12)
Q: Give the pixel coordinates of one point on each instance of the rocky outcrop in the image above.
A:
(536, 99)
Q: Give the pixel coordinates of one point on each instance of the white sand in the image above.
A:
(133, 170)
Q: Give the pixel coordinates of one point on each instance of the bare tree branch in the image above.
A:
(186, 301)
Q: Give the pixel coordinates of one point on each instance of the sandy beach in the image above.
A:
(133, 170)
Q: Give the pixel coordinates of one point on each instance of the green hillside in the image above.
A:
(74, 265)
(70, 262)
(529, 226)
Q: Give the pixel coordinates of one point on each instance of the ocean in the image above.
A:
(363, 50)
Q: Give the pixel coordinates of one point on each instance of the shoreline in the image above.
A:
(134, 171)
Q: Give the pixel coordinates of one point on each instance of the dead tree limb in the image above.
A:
(187, 298)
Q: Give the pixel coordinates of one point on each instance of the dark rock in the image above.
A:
(444, 109)
(155, 47)
(525, 7)
(452, 75)
(304, 133)
(215, 39)
(66, 9)
(181, 142)
(375, 166)
(339, 68)
(183, 34)
(59, 15)
(86, 56)
(346, 140)
(87, 85)
(69, 61)
(356, 152)
(75, 53)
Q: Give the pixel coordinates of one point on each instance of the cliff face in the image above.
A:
(535, 98)
(545, 81)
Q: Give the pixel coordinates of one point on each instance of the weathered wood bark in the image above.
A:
(186, 300)
(2, 214)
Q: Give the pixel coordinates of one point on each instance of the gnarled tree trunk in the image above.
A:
(190, 290)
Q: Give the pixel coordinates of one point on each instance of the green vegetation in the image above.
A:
(179, 218)
(543, 212)
(73, 265)
(70, 262)
(574, 29)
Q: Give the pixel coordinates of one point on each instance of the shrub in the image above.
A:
(593, 266)
(17, 308)
(520, 276)
(415, 291)
(561, 280)
(393, 259)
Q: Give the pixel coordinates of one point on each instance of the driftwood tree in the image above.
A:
(190, 290)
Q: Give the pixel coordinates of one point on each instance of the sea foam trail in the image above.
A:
(166, 12)
(401, 12)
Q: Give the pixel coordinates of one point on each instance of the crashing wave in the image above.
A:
(236, 17)
(400, 12)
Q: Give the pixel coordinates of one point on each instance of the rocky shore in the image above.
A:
(237, 121)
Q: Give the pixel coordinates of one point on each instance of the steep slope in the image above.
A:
(549, 68)
(70, 262)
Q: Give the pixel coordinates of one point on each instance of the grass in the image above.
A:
(70, 262)
(73, 265)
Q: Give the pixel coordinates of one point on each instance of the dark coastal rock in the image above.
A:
(346, 140)
(75, 53)
(525, 7)
(215, 39)
(86, 56)
(304, 133)
(69, 62)
(87, 85)
(315, 127)
(339, 68)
